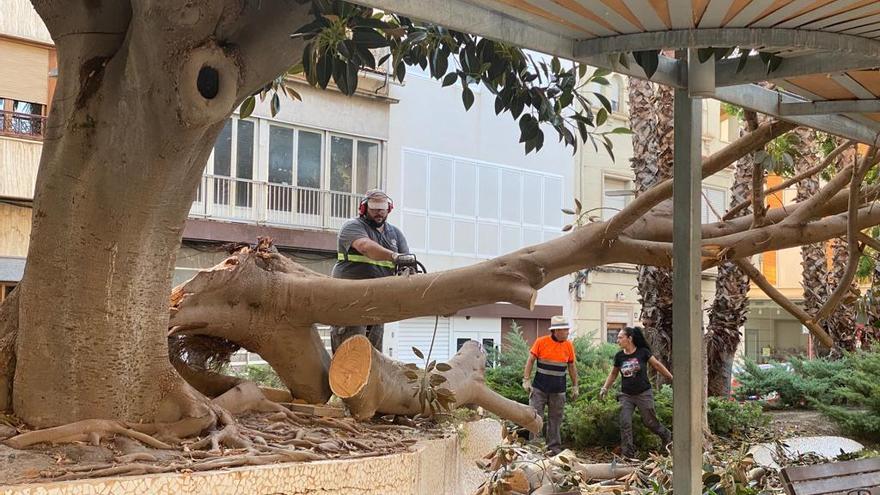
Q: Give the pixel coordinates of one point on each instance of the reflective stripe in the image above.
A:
(363, 259)
(550, 372)
(552, 363)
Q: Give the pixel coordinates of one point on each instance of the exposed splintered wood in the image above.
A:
(371, 383)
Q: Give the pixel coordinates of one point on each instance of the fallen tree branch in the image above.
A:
(758, 207)
(786, 304)
(869, 241)
(370, 383)
(794, 180)
(852, 231)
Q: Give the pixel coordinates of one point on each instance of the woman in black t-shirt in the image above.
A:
(632, 364)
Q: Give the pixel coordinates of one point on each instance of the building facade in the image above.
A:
(463, 189)
(27, 67)
(606, 299)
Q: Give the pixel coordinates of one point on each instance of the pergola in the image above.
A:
(829, 51)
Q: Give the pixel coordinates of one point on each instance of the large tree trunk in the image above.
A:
(370, 382)
(143, 91)
(651, 122)
(730, 306)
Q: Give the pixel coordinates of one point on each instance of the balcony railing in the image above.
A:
(251, 201)
(24, 125)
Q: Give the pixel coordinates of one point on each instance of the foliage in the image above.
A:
(426, 384)
(861, 390)
(731, 418)
(816, 380)
(343, 38)
(261, 374)
(506, 377)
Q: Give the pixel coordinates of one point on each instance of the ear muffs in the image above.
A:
(362, 206)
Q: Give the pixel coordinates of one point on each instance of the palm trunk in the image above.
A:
(651, 122)
(730, 306)
(813, 261)
(841, 324)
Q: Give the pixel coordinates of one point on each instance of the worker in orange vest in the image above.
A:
(554, 355)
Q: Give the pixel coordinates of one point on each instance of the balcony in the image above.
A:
(266, 203)
(22, 125)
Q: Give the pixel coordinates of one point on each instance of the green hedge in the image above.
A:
(591, 422)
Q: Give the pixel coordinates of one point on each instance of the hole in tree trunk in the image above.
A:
(208, 82)
(350, 368)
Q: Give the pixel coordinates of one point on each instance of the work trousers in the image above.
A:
(338, 335)
(555, 404)
(645, 402)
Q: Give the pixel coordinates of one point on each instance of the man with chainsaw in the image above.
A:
(369, 247)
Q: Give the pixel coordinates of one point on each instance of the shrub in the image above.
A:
(809, 381)
(591, 422)
(861, 389)
(261, 374)
(729, 418)
(506, 377)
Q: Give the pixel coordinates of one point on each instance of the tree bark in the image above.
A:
(8, 330)
(651, 122)
(370, 383)
(127, 139)
(730, 306)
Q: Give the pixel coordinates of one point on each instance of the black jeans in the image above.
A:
(645, 402)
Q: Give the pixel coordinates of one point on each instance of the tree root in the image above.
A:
(82, 431)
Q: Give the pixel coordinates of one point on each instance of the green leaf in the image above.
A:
(443, 367)
(621, 130)
(296, 69)
(582, 70)
(606, 105)
(568, 211)
(600, 73)
(601, 117)
(648, 60)
(275, 104)
(555, 65)
(704, 54)
(774, 63)
(743, 59)
(247, 107)
(467, 97)
(449, 79)
(418, 353)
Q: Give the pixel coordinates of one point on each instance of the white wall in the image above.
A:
(430, 121)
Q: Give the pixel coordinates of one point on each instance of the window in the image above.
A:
(616, 195)
(716, 198)
(611, 331)
(239, 186)
(21, 118)
(614, 94)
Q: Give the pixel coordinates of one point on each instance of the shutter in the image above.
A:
(416, 332)
(24, 72)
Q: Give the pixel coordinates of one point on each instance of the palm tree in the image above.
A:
(841, 323)
(651, 121)
(730, 306)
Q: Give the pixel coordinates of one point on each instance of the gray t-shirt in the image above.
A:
(358, 266)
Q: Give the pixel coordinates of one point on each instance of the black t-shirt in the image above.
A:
(358, 266)
(633, 370)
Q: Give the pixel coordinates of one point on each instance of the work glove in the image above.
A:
(404, 260)
(527, 385)
(575, 393)
(603, 392)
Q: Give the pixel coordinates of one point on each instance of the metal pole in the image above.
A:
(687, 315)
